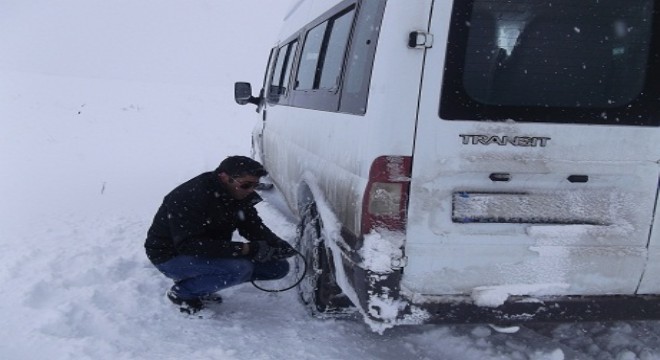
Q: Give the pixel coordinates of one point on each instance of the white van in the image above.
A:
(469, 160)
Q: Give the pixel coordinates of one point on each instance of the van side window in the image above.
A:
(268, 74)
(333, 59)
(279, 82)
(360, 59)
(290, 55)
(569, 62)
(274, 89)
(333, 69)
(323, 53)
(309, 58)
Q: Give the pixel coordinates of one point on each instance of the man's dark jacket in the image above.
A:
(199, 217)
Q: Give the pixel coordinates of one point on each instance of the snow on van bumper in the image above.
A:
(375, 287)
(385, 304)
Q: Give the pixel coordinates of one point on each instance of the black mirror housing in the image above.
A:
(243, 93)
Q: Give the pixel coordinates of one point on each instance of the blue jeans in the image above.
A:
(195, 277)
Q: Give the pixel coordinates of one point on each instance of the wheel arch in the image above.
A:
(310, 202)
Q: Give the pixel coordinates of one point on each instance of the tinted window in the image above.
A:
(323, 54)
(281, 71)
(291, 52)
(334, 51)
(559, 61)
(275, 84)
(310, 57)
(355, 88)
(333, 69)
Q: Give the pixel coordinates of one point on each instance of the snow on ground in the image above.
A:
(104, 108)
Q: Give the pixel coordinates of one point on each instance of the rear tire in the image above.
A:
(319, 290)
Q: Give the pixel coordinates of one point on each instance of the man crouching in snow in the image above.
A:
(190, 240)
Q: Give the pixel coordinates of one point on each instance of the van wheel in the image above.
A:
(319, 290)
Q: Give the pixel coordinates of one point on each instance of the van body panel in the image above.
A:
(340, 158)
(524, 215)
(467, 228)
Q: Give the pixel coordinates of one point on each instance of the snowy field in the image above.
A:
(105, 106)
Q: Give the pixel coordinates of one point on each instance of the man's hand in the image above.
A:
(283, 250)
(261, 251)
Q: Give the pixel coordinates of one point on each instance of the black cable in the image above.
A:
(304, 272)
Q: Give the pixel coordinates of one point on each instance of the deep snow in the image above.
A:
(106, 106)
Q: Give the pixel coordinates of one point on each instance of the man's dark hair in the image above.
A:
(240, 166)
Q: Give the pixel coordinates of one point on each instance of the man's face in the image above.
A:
(239, 187)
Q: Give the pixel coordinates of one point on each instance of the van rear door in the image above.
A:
(535, 166)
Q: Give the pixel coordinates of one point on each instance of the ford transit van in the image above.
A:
(472, 160)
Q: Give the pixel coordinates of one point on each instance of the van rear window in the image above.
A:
(553, 61)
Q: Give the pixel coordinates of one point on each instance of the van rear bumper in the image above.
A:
(554, 309)
(370, 285)
(517, 309)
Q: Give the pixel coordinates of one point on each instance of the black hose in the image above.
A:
(304, 272)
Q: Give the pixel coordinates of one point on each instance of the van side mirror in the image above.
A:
(243, 94)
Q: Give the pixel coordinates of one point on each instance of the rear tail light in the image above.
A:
(385, 199)
(386, 196)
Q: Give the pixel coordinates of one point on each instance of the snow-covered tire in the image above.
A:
(319, 290)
